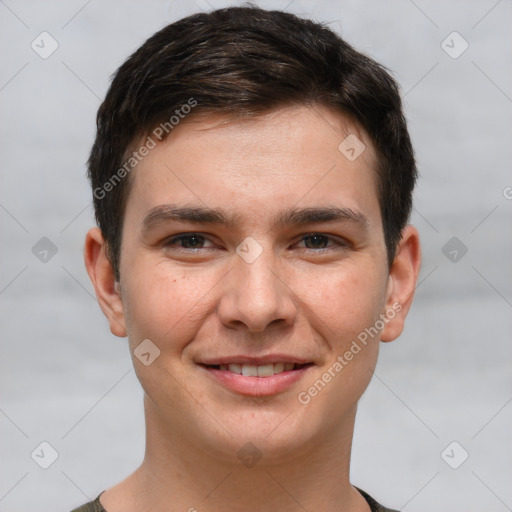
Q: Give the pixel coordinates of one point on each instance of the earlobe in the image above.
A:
(402, 280)
(108, 291)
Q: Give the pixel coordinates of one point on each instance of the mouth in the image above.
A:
(250, 379)
(253, 370)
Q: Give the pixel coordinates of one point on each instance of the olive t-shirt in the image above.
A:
(95, 506)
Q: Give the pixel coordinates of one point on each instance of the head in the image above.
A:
(242, 62)
(252, 127)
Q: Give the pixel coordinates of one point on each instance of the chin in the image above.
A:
(274, 435)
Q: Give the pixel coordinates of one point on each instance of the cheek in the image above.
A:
(344, 306)
(165, 304)
(344, 301)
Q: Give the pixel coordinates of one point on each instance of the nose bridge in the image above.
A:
(254, 295)
(257, 279)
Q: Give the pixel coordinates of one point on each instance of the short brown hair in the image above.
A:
(243, 61)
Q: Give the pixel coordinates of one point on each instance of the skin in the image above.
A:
(302, 296)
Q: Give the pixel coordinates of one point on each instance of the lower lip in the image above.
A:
(257, 386)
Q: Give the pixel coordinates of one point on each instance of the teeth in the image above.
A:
(278, 367)
(266, 370)
(251, 370)
(234, 368)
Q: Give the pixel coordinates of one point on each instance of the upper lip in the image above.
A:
(253, 360)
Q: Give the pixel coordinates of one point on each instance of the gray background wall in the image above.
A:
(67, 381)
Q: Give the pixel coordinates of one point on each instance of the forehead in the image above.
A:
(306, 156)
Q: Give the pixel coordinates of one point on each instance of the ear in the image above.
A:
(402, 279)
(103, 279)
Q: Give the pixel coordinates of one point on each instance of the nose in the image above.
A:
(255, 296)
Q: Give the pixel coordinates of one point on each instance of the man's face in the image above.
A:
(295, 275)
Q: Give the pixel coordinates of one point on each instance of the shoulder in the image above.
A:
(92, 506)
(95, 506)
(374, 505)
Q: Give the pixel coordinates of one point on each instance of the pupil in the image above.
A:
(192, 241)
(317, 240)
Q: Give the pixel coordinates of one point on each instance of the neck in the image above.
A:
(179, 475)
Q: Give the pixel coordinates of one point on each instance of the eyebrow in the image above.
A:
(296, 216)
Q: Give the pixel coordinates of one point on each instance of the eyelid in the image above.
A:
(180, 236)
(335, 240)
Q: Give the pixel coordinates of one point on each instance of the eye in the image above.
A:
(321, 241)
(191, 241)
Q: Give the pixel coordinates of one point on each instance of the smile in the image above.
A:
(264, 379)
(252, 370)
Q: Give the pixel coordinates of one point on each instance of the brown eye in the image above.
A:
(187, 241)
(316, 241)
(319, 242)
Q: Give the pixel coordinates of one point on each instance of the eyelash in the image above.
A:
(184, 236)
